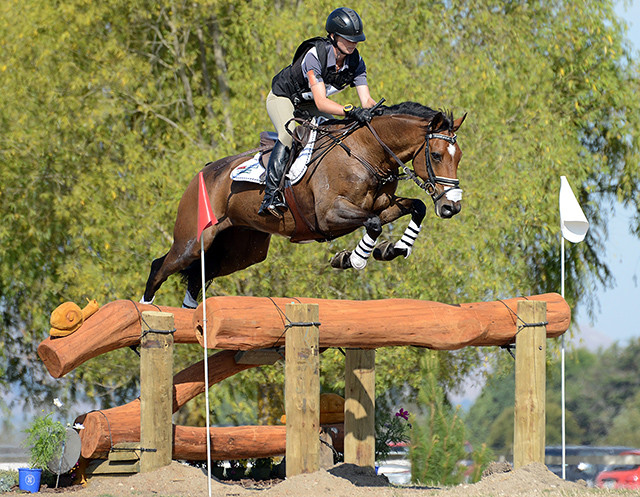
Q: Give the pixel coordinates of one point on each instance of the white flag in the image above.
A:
(573, 223)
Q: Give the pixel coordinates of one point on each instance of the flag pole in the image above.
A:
(206, 218)
(573, 226)
(562, 386)
(206, 364)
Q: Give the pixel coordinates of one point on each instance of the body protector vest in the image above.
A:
(290, 82)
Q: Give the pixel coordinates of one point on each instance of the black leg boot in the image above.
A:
(273, 201)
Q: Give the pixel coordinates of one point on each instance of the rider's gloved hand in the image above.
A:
(360, 114)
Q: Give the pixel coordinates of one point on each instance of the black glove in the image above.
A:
(361, 115)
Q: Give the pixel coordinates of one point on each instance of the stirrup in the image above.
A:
(277, 208)
(273, 208)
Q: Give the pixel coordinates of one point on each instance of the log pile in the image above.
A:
(105, 428)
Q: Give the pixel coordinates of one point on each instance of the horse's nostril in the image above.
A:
(448, 211)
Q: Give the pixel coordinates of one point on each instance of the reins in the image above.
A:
(336, 139)
(428, 186)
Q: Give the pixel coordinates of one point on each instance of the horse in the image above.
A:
(350, 183)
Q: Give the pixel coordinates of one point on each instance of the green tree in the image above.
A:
(623, 428)
(109, 108)
(490, 419)
(438, 443)
(604, 390)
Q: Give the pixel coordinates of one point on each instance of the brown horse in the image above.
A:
(350, 183)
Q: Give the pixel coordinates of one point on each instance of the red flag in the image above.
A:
(206, 216)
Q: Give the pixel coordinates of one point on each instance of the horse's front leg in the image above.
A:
(387, 251)
(349, 214)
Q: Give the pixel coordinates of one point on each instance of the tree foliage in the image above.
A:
(438, 437)
(109, 108)
(602, 392)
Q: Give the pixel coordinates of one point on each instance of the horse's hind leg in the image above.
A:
(178, 258)
(387, 251)
(233, 249)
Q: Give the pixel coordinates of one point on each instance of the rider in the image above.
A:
(320, 67)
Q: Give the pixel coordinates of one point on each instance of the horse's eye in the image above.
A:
(436, 156)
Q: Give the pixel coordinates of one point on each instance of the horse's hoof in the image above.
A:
(385, 251)
(342, 260)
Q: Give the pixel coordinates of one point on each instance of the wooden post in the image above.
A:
(359, 407)
(302, 390)
(529, 429)
(156, 390)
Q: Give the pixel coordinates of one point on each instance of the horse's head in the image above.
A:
(436, 162)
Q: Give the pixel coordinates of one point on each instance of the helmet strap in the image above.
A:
(332, 38)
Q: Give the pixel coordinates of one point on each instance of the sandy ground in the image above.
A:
(342, 480)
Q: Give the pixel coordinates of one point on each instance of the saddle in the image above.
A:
(301, 136)
(304, 231)
(254, 169)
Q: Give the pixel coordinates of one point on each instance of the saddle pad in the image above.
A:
(254, 172)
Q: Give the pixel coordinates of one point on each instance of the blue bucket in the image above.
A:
(29, 479)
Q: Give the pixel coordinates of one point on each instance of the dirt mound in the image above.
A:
(343, 480)
(531, 479)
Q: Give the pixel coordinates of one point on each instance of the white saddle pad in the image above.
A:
(254, 172)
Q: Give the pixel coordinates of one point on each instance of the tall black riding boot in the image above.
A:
(273, 201)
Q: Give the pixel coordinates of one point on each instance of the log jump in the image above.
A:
(245, 323)
(249, 323)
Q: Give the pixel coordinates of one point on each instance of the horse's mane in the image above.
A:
(418, 110)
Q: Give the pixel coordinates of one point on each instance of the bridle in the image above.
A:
(429, 185)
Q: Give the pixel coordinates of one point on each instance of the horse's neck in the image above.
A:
(402, 134)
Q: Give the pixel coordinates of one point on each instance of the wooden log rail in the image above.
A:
(115, 325)
(245, 323)
(228, 442)
(106, 427)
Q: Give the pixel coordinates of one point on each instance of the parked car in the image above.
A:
(585, 462)
(621, 475)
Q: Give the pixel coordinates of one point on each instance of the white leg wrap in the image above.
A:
(142, 301)
(362, 252)
(189, 302)
(408, 238)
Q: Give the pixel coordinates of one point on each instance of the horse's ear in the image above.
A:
(458, 122)
(437, 122)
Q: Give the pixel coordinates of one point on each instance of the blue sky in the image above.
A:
(616, 320)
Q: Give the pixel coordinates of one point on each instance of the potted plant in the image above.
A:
(44, 442)
(261, 469)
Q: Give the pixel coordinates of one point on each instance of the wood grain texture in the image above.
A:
(245, 323)
(115, 325)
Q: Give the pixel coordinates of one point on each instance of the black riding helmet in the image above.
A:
(345, 22)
